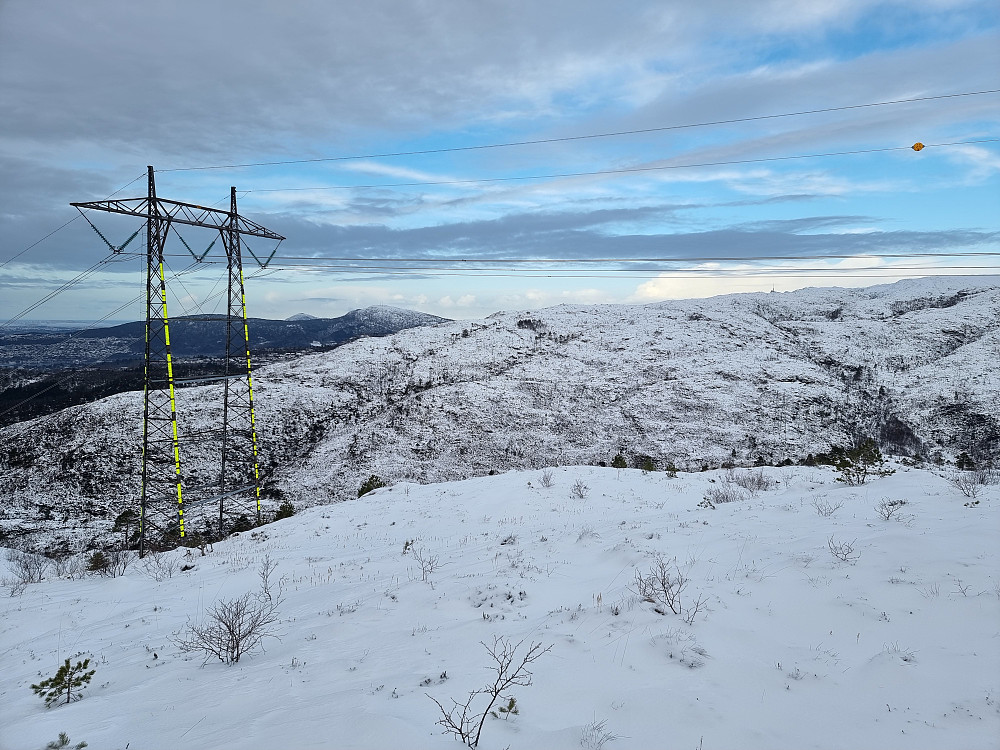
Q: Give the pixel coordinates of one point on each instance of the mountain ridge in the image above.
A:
(741, 379)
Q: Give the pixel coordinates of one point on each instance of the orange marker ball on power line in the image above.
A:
(917, 146)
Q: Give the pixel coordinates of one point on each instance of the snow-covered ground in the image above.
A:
(898, 648)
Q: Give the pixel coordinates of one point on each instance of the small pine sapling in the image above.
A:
(285, 510)
(63, 742)
(65, 685)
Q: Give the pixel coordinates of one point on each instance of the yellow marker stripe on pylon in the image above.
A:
(173, 404)
(253, 417)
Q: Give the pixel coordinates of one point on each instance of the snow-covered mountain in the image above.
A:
(199, 336)
(699, 383)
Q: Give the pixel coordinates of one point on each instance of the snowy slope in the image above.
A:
(738, 378)
(898, 649)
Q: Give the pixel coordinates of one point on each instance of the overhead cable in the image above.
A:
(563, 139)
(622, 170)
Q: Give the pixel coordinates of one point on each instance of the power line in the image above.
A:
(56, 292)
(564, 139)
(657, 259)
(802, 272)
(60, 228)
(623, 170)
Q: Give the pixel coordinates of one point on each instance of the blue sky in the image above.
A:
(90, 93)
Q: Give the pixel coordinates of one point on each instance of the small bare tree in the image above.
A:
(428, 563)
(465, 721)
(235, 627)
(579, 490)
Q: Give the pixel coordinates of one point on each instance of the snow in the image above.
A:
(899, 649)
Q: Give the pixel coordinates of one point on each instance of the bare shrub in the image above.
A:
(579, 490)
(969, 483)
(596, 735)
(752, 481)
(843, 551)
(546, 480)
(825, 508)
(160, 565)
(887, 508)
(692, 611)
(428, 563)
(236, 627)
(724, 493)
(68, 566)
(465, 721)
(662, 586)
(111, 563)
(26, 568)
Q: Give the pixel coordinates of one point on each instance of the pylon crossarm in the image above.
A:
(181, 213)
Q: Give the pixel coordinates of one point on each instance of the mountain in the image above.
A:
(741, 379)
(200, 336)
(300, 316)
(43, 370)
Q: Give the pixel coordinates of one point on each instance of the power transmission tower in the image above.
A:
(165, 502)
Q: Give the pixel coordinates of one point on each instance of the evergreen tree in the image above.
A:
(98, 562)
(372, 483)
(860, 463)
(618, 462)
(65, 684)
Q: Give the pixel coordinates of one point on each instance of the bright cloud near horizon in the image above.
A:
(91, 93)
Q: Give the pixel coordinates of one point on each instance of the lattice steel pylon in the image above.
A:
(165, 502)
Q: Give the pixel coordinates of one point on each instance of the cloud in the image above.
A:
(189, 84)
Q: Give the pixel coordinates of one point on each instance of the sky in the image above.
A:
(343, 94)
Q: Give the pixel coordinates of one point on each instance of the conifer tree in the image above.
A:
(65, 684)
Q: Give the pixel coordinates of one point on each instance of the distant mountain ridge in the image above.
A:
(201, 336)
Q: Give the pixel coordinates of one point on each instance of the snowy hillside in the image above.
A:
(895, 647)
(736, 379)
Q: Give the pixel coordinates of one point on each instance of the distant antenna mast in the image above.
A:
(164, 513)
